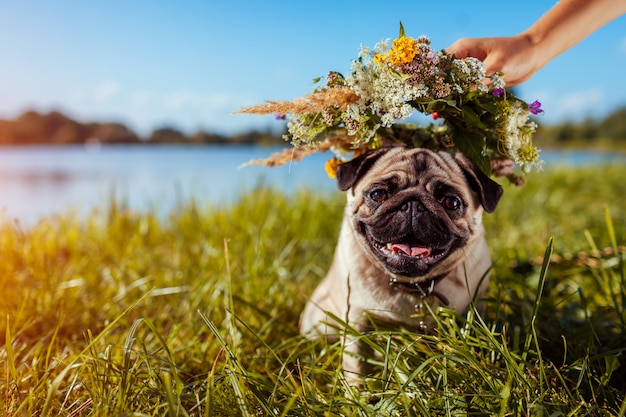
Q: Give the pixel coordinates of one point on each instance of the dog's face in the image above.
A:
(416, 210)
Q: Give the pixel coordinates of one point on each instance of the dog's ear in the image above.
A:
(348, 173)
(488, 190)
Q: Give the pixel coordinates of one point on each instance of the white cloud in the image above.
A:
(78, 95)
(572, 105)
(581, 100)
(211, 110)
(208, 101)
(142, 98)
(99, 93)
(105, 90)
(184, 109)
(145, 109)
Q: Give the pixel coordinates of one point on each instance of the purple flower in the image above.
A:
(498, 92)
(280, 117)
(535, 107)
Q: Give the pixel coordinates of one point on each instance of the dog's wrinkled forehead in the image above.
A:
(398, 165)
(405, 167)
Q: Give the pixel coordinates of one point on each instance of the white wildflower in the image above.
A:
(364, 51)
(468, 73)
(362, 80)
(513, 125)
(497, 81)
(390, 96)
(477, 69)
(381, 47)
(381, 92)
(517, 130)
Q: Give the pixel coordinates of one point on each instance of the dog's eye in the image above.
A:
(379, 195)
(451, 202)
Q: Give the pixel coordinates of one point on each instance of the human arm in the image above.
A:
(562, 27)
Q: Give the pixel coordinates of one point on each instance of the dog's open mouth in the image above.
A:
(415, 251)
(408, 256)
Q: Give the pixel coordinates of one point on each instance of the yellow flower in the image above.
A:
(402, 51)
(379, 59)
(331, 167)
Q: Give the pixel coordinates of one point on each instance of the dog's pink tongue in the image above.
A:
(410, 250)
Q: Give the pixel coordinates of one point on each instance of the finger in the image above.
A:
(467, 47)
(458, 49)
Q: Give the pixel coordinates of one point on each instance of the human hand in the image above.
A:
(514, 56)
(563, 26)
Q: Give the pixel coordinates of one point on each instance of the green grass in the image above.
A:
(125, 314)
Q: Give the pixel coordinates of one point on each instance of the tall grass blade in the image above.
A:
(52, 390)
(619, 306)
(239, 393)
(622, 408)
(532, 335)
(11, 369)
(610, 228)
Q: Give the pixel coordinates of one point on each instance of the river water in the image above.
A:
(37, 182)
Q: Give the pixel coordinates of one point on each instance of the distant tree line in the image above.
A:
(55, 128)
(609, 131)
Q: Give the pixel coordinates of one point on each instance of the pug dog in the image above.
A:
(411, 240)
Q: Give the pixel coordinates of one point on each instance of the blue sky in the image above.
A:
(188, 64)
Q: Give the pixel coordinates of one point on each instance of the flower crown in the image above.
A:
(349, 115)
